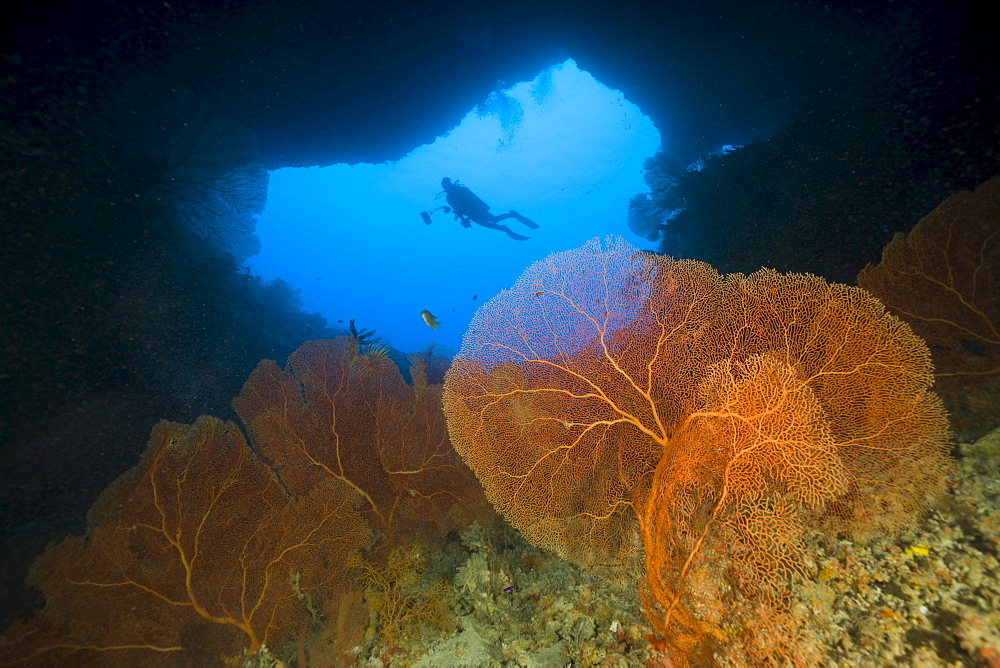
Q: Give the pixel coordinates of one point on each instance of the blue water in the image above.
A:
(562, 150)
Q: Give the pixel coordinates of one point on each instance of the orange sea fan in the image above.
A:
(331, 415)
(612, 394)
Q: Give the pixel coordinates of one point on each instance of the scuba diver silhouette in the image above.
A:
(466, 207)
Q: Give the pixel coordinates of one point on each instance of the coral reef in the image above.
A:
(612, 394)
(401, 597)
(518, 605)
(928, 595)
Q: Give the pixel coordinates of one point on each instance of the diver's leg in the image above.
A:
(513, 235)
(490, 224)
(503, 228)
(530, 223)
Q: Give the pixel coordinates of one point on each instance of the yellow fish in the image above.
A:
(429, 319)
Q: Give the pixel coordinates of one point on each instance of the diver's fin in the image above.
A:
(426, 216)
(513, 235)
(530, 223)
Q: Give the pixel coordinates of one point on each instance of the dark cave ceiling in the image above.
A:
(371, 85)
(346, 82)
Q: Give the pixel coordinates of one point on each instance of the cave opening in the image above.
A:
(563, 150)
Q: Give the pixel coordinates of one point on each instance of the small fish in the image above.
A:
(474, 297)
(429, 319)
